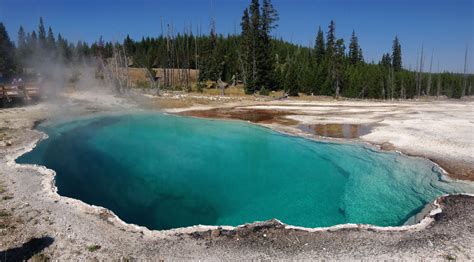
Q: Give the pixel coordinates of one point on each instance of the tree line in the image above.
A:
(255, 58)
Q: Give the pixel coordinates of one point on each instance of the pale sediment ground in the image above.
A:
(68, 229)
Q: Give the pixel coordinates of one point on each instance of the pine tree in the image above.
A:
(129, 45)
(245, 53)
(99, 48)
(320, 46)
(330, 83)
(354, 49)
(266, 62)
(339, 56)
(50, 41)
(33, 41)
(255, 28)
(32, 45)
(41, 34)
(7, 50)
(22, 47)
(213, 64)
(211, 67)
(361, 55)
(291, 79)
(331, 40)
(63, 49)
(78, 53)
(21, 38)
(386, 61)
(397, 55)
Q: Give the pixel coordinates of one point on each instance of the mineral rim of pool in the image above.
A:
(164, 172)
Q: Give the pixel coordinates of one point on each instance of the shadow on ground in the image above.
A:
(27, 250)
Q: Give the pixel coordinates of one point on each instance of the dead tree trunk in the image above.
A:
(383, 89)
(428, 85)
(402, 89)
(464, 83)
(438, 89)
(420, 73)
(417, 75)
(391, 82)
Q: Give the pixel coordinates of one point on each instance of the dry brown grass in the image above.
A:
(192, 99)
(138, 76)
(178, 103)
(230, 91)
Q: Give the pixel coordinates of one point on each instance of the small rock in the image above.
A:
(215, 232)
(9, 143)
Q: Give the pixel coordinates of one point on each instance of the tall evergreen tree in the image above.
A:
(397, 55)
(255, 27)
(78, 54)
(63, 50)
(32, 45)
(33, 41)
(331, 40)
(354, 49)
(129, 45)
(339, 55)
(22, 47)
(41, 34)
(211, 67)
(50, 41)
(361, 55)
(246, 54)
(266, 61)
(21, 38)
(291, 78)
(331, 77)
(386, 61)
(320, 46)
(7, 50)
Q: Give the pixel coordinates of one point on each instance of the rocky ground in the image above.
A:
(36, 223)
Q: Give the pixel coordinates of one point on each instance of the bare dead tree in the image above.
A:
(188, 60)
(403, 94)
(428, 85)
(196, 51)
(383, 89)
(464, 83)
(420, 73)
(163, 61)
(391, 82)
(153, 80)
(222, 85)
(115, 70)
(417, 74)
(438, 89)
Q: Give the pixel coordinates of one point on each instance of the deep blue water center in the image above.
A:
(163, 172)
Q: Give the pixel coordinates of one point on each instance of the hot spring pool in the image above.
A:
(163, 172)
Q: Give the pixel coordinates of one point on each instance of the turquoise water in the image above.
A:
(164, 172)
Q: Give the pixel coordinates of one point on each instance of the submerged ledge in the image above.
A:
(48, 183)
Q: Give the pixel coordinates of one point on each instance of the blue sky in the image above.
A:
(445, 26)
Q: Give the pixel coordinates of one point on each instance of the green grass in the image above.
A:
(449, 257)
(93, 248)
(7, 197)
